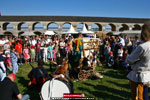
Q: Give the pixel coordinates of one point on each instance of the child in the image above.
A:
(26, 54)
(124, 63)
(8, 63)
(110, 59)
(125, 54)
(54, 54)
(50, 52)
(14, 59)
(45, 50)
(32, 53)
(86, 63)
(87, 67)
(93, 61)
(106, 52)
(66, 50)
(120, 53)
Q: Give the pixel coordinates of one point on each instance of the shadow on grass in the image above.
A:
(102, 92)
(119, 74)
(23, 81)
(127, 86)
(33, 92)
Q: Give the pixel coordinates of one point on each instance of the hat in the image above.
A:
(12, 75)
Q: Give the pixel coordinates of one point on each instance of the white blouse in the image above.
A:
(140, 64)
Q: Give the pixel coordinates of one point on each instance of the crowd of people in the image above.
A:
(16, 51)
(133, 54)
(113, 51)
(30, 49)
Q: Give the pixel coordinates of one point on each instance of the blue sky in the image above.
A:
(101, 8)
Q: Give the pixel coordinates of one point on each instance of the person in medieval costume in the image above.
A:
(77, 49)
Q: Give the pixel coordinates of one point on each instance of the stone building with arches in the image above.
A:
(17, 25)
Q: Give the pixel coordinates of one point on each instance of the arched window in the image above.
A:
(136, 27)
(66, 26)
(123, 27)
(96, 27)
(110, 27)
(53, 27)
(37, 26)
(22, 26)
(8, 26)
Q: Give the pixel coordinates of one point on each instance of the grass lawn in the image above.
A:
(114, 85)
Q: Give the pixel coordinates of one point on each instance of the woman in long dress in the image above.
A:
(140, 63)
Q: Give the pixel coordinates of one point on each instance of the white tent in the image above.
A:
(49, 33)
(28, 34)
(84, 30)
(71, 31)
